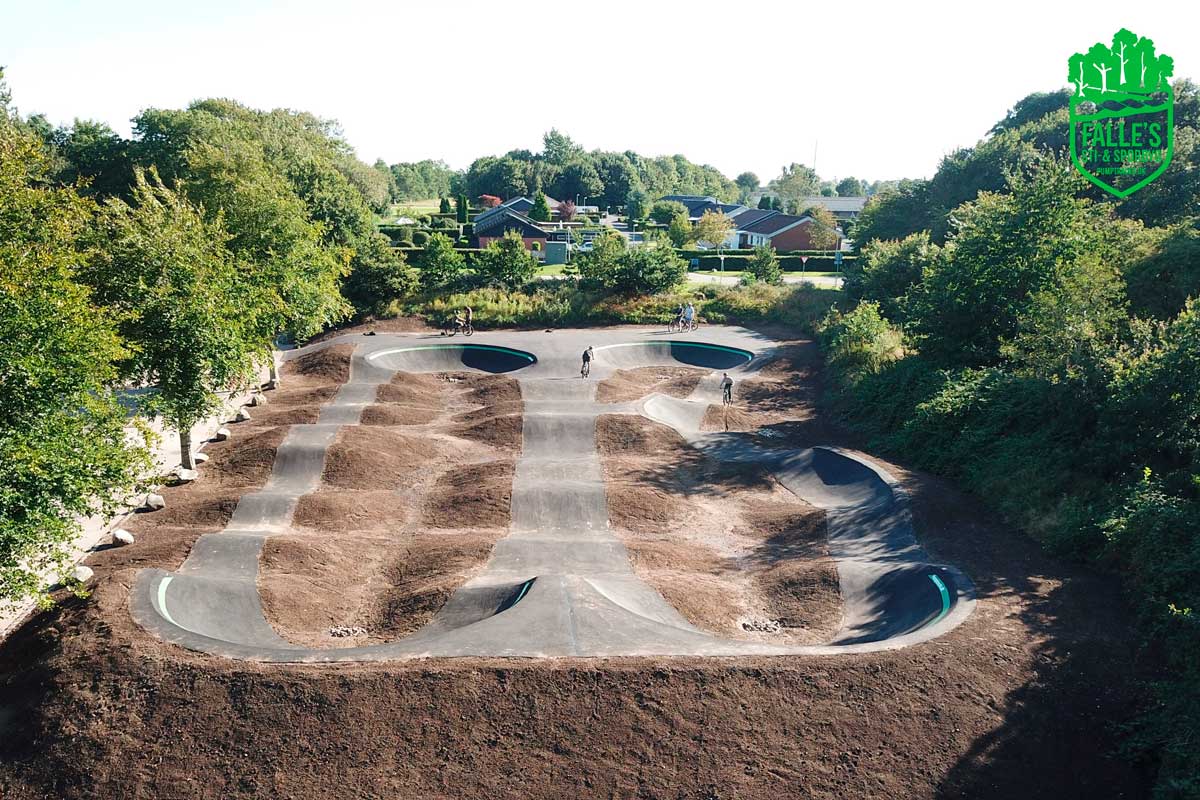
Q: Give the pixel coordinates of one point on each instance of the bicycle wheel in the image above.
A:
(467, 331)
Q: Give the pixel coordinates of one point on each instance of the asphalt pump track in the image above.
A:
(560, 584)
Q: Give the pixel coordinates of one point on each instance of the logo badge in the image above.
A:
(1122, 113)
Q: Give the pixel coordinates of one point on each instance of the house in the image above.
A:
(524, 204)
(844, 209)
(494, 223)
(754, 227)
(697, 205)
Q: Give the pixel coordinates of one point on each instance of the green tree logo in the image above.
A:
(1122, 113)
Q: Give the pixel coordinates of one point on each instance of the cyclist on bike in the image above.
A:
(679, 316)
(727, 389)
(689, 315)
(586, 369)
(468, 316)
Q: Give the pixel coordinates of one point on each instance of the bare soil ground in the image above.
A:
(1022, 700)
(729, 547)
(625, 385)
(406, 513)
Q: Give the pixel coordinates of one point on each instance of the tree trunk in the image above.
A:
(185, 448)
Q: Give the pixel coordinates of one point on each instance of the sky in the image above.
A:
(874, 90)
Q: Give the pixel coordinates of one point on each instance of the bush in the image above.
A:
(648, 270)
(765, 266)
(860, 342)
(420, 238)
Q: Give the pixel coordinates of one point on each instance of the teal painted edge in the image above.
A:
(749, 356)
(495, 347)
(945, 593)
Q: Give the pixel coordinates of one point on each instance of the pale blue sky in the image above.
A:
(454, 80)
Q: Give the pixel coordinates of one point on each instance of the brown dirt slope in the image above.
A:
(729, 547)
(407, 512)
(625, 385)
(1022, 700)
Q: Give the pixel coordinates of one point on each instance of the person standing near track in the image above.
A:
(727, 389)
(689, 314)
(586, 369)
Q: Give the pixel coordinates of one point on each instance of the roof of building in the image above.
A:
(835, 204)
(753, 215)
(503, 218)
(769, 226)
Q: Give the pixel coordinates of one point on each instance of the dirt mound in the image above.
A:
(503, 432)
(490, 390)
(473, 496)
(388, 325)
(330, 364)
(243, 460)
(626, 385)
(266, 416)
(490, 411)
(381, 458)
(305, 395)
(385, 414)
(629, 434)
(338, 510)
(414, 389)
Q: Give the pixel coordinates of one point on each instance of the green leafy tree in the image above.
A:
(796, 181)
(747, 182)
(637, 204)
(664, 211)
(712, 229)
(63, 448)
(180, 302)
(558, 148)
(380, 279)
(444, 205)
(680, 230)
(765, 202)
(822, 231)
(599, 265)
(578, 179)
(540, 212)
(887, 270)
(505, 262)
(441, 265)
(648, 269)
(850, 187)
(764, 265)
(461, 209)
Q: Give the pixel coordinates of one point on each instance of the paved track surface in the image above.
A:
(560, 584)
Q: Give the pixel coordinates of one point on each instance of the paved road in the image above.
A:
(561, 584)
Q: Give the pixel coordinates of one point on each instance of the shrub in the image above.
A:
(649, 270)
(505, 262)
(765, 266)
(420, 238)
(861, 341)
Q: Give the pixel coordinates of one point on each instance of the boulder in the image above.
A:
(221, 435)
(83, 574)
(242, 415)
(153, 502)
(258, 400)
(200, 458)
(183, 475)
(122, 537)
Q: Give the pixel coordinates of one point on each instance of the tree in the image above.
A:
(796, 181)
(441, 265)
(578, 179)
(637, 204)
(764, 265)
(505, 262)
(599, 265)
(850, 187)
(747, 182)
(461, 208)
(649, 269)
(822, 231)
(380, 278)
(558, 148)
(540, 212)
(764, 202)
(664, 211)
(887, 270)
(680, 230)
(566, 210)
(180, 302)
(63, 448)
(444, 205)
(777, 203)
(712, 229)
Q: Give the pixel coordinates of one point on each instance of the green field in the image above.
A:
(737, 273)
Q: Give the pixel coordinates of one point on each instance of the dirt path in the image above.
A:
(1019, 701)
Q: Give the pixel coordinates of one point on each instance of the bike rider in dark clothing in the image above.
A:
(586, 369)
